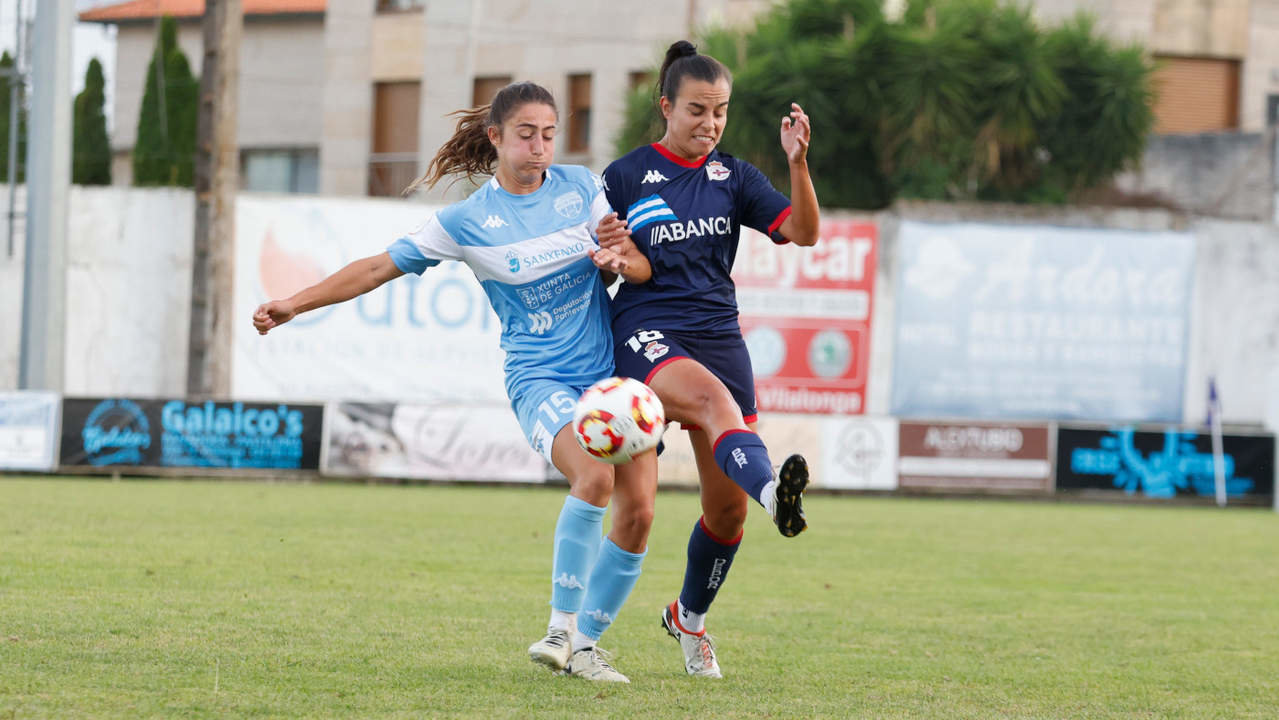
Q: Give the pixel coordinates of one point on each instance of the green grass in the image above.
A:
(232, 599)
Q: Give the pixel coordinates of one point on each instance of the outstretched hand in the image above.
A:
(796, 132)
(272, 314)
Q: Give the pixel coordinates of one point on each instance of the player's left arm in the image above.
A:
(801, 227)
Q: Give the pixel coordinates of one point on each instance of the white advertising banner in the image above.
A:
(1035, 321)
(859, 453)
(429, 339)
(28, 430)
(445, 442)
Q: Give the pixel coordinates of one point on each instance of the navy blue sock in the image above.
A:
(744, 459)
(709, 559)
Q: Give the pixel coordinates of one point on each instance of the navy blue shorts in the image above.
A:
(641, 353)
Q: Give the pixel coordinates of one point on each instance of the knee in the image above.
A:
(594, 485)
(727, 520)
(634, 524)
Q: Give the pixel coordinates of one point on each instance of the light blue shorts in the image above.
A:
(543, 407)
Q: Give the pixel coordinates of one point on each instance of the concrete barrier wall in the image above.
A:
(1229, 175)
(129, 275)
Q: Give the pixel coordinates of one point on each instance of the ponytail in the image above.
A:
(469, 152)
(682, 60)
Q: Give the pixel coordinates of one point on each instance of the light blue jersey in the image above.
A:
(529, 253)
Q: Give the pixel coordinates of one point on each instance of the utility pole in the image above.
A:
(16, 80)
(44, 289)
(217, 173)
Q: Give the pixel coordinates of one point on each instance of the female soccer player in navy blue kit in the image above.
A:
(685, 202)
(529, 236)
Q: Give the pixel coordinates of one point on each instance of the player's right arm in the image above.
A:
(355, 279)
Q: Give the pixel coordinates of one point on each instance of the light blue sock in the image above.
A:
(577, 543)
(611, 583)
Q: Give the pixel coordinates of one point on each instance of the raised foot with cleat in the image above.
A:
(788, 512)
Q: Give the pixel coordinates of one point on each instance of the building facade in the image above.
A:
(351, 97)
(280, 123)
(1217, 61)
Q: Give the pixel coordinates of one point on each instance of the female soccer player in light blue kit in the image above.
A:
(685, 202)
(530, 236)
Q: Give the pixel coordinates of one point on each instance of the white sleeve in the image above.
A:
(599, 207)
(424, 247)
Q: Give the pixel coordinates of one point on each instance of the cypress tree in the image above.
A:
(164, 152)
(91, 151)
(6, 63)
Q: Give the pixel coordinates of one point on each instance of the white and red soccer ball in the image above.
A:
(617, 419)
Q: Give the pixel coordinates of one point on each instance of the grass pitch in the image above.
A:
(231, 599)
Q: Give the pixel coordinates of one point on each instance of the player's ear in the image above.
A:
(666, 106)
(495, 134)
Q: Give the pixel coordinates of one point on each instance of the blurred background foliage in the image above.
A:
(954, 100)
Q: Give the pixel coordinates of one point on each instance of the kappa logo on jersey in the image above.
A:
(701, 227)
(493, 221)
(654, 350)
(648, 210)
(653, 176)
(569, 204)
(513, 261)
(539, 322)
(715, 170)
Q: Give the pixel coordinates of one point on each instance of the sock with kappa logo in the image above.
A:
(744, 459)
(611, 583)
(577, 542)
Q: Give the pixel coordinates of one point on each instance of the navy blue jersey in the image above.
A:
(685, 217)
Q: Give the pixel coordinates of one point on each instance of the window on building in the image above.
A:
(388, 6)
(579, 113)
(280, 170)
(393, 161)
(484, 89)
(640, 78)
(1196, 94)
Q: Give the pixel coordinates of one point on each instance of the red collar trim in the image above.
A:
(661, 149)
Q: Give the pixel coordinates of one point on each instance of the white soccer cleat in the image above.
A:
(592, 663)
(699, 650)
(553, 650)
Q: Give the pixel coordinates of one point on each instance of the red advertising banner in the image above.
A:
(805, 314)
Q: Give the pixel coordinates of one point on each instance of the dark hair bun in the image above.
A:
(679, 49)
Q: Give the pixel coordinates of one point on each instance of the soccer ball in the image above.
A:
(617, 419)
